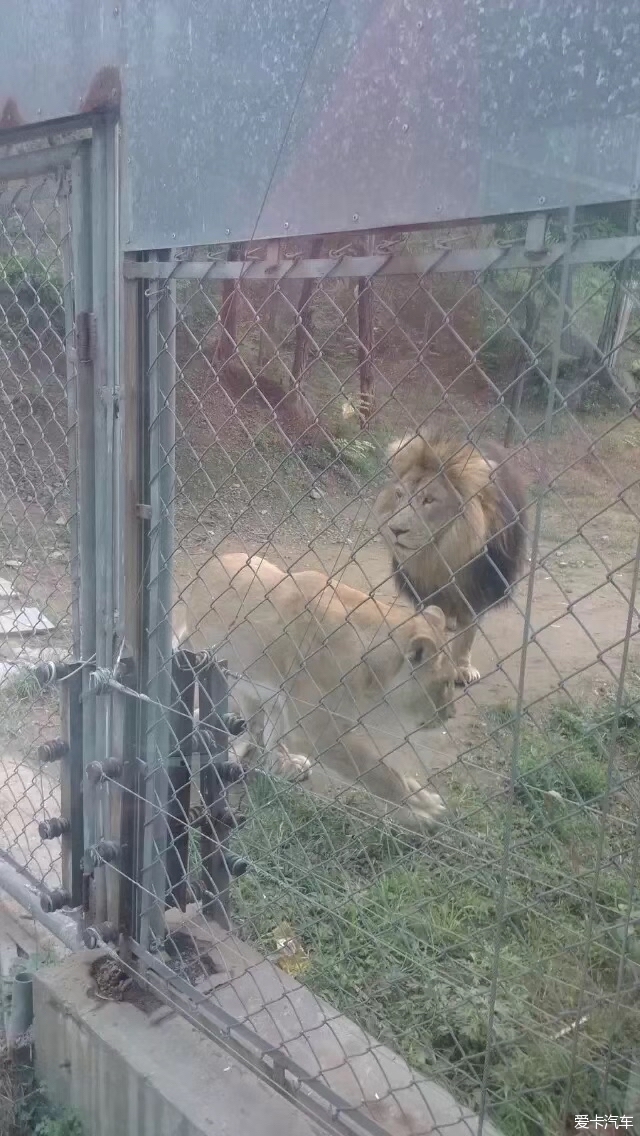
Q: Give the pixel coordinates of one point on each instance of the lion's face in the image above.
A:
(415, 511)
(423, 688)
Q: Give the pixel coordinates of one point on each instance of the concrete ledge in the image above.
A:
(125, 1076)
(375, 1083)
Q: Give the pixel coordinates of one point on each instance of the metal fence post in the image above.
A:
(127, 716)
(161, 487)
(83, 286)
(69, 303)
(103, 188)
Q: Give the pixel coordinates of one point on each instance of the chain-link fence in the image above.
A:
(417, 877)
(37, 506)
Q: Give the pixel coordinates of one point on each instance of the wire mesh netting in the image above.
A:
(36, 509)
(440, 846)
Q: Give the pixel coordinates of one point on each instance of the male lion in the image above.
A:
(455, 523)
(360, 677)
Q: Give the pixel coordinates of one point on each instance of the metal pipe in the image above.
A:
(28, 896)
(21, 1015)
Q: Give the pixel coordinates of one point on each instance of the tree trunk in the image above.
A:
(521, 368)
(303, 322)
(365, 343)
(296, 399)
(227, 344)
(610, 336)
(268, 323)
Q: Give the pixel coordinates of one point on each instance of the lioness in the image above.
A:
(454, 521)
(359, 676)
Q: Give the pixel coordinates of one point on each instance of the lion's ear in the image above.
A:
(394, 447)
(436, 615)
(406, 454)
(422, 648)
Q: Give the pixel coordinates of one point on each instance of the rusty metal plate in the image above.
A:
(58, 59)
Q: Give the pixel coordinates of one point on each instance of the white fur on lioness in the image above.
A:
(360, 677)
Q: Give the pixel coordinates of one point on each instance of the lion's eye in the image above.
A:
(428, 499)
(398, 493)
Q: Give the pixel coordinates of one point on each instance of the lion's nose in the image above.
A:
(399, 530)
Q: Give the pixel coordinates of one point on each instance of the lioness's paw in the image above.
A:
(429, 807)
(466, 675)
(242, 748)
(295, 766)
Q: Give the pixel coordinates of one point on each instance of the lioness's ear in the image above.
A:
(436, 615)
(421, 648)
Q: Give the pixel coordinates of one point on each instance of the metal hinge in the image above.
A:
(86, 337)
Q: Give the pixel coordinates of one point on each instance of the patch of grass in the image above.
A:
(364, 456)
(65, 1125)
(595, 729)
(565, 765)
(23, 685)
(24, 1108)
(500, 715)
(401, 932)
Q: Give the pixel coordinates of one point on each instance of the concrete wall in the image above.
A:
(126, 1073)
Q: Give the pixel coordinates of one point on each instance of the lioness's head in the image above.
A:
(414, 669)
(437, 484)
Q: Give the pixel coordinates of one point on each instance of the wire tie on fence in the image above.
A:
(104, 852)
(102, 680)
(340, 253)
(254, 254)
(388, 245)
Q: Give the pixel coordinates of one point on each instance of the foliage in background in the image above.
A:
(30, 296)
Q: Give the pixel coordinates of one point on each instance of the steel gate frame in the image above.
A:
(88, 168)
